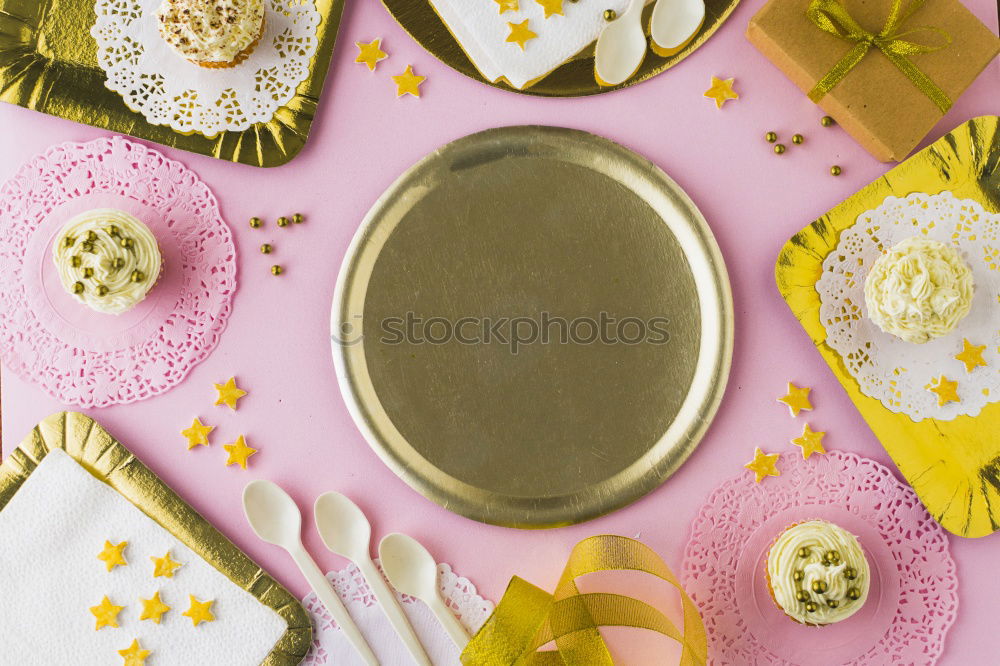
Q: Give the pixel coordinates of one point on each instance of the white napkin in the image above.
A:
(51, 532)
(482, 31)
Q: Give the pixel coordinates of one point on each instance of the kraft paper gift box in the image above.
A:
(920, 57)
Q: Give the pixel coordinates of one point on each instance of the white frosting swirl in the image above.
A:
(97, 269)
(210, 31)
(829, 581)
(920, 289)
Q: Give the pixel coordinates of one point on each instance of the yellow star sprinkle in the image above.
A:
(971, 355)
(797, 399)
(763, 464)
(153, 609)
(507, 5)
(811, 442)
(197, 434)
(551, 7)
(370, 54)
(239, 452)
(721, 90)
(229, 393)
(519, 33)
(946, 390)
(113, 555)
(134, 655)
(200, 611)
(106, 613)
(408, 83)
(164, 566)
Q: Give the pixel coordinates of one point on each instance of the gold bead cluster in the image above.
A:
(820, 587)
(798, 140)
(88, 245)
(282, 222)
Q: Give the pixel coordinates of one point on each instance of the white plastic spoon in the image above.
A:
(276, 519)
(674, 23)
(621, 47)
(412, 570)
(345, 531)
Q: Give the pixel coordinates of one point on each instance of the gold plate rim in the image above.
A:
(636, 480)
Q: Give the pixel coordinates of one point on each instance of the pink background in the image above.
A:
(277, 340)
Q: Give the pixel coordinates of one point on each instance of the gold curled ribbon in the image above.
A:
(528, 618)
(832, 17)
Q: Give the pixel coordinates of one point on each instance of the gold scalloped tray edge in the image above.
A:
(107, 459)
(954, 466)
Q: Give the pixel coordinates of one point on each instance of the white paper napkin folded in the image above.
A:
(50, 535)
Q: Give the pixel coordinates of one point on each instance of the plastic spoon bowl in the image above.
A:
(412, 570)
(673, 24)
(345, 531)
(621, 47)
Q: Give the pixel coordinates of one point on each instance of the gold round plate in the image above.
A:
(573, 78)
(547, 225)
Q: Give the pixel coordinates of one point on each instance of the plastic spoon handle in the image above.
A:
(455, 630)
(321, 586)
(393, 611)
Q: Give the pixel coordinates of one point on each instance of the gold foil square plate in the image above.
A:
(48, 63)
(954, 466)
(107, 459)
(534, 225)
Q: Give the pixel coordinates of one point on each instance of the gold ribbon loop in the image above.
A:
(832, 17)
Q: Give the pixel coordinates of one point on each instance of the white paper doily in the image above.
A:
(895, 372)
(168, 90)
(331, 648)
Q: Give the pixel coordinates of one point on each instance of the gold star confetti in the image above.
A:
(507, 5)
(200, 611)
(810, 441)
(797, 399)
(408, 83)
(763, 464)
(229, 393)
(239, 452)
(946, 390)
(551, 7)
(106, 614)
(370, 54)
(197, 434)
(519, 33)
(721, 91)
(134, 655)
(153, 608)
(113, 555)
(971, 355)
(164, 566)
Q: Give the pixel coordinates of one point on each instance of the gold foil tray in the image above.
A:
(954, 466)
(108, 460)
(571, 79)
(48, 63)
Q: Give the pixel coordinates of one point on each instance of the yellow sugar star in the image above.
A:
(200, 611)
(763, 464)
(106, 613)
(113, 555)
(164, 566)
(946, 390)
(971, 355)
(239, 452)
(507, 5)
(408, 83)
(519, 33)
(797, 399)
(371, 53)
(721, 91)
(811, 442)
(197, 434)
(153, 608)
(134, 655)
(229, 393)
(551, 7)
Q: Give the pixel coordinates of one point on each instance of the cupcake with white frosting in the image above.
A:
(817, 573)
(107, 259)
(212, 33)
(919, 290)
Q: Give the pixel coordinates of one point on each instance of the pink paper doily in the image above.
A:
(91, 359)
(913, 599)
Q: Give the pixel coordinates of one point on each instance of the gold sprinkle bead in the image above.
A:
(276, 270)
(282, 221)
(137, 276)
(88, 272)
(811, 607)
(835, 170)
(826, 121)
(802, 596)
(298, 219)
(850, 573)
(127, 243)
(833, 556)
(798, 575)
(118, 263)
(68, 241)
(832, 603)
(91, 236)
(112, 230)
(75, 261)
(797, 139)
(779, 148)
(853, 594)
(78, 287)
(803, 552)
(818, 586)
(102, 290)
(610, 15)
(87, 246)
(771, 137)
(255, 223)
(266, 248)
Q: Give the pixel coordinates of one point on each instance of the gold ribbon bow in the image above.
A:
(833, 17)
(528, 618)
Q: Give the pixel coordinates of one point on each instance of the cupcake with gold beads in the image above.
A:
(817, 573)
(212, 33)
(107, 259)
